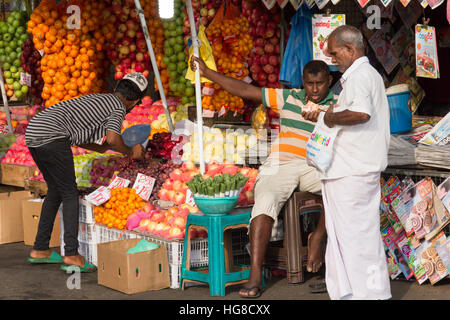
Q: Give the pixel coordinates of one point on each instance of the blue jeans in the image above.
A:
(55, 161)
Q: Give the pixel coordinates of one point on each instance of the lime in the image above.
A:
(173, 58)
(181, 56)
(165, 60)
(171, 67)
(172, 41)
(181, 66)
(18, 94)
(189, 91)
(184, 100)
(169, 52)
(17, 85)
(173, 74)
(178, 48)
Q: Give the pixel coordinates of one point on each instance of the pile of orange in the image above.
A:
(73, 63)
(156, 32)
(231, 45)
(115, 212)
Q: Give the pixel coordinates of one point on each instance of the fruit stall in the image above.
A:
(46, 60)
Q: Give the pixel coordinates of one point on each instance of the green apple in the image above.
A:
(17, 85)
(24, 89)
(13, 69)
(18, 94)
(9, 81)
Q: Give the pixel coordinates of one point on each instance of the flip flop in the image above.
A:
(54, 258)
(87, 268)
(318, 287)
(256, 295)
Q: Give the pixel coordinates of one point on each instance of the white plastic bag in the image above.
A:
(319, 149)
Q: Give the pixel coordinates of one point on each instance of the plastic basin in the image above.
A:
(216, 206)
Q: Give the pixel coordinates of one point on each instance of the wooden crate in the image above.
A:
(36, 187)
(15, 175)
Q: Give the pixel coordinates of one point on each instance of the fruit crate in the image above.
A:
(199, 255)
(15, 175)
(37, 187)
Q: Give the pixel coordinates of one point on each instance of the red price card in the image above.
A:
(99, 196)
(144, 186)
(119, 183)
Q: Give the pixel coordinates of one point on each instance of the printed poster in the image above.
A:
(322, 26)
(401, 39)
(410, 13)
(427, 63)
(310, 3)
(381, 45)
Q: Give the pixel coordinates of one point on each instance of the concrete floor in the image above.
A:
(20, 280)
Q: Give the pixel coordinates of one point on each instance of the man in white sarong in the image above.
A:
(355, 261)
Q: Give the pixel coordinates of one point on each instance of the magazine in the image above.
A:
(443, 193)
(388, 235)
(440, 134)
(411, 258)
(393, 268)
(431, 261)
(427, 62)
(410, 13)
(322, 26)
(443, 250)
(380, 42)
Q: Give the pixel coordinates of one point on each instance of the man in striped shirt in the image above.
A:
(285, 169)
(93, 122)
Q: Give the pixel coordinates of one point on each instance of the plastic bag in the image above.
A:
(143, 246)
(319, 149)
(298, 50)
(260, 120)
(206, 54)
(137, 134)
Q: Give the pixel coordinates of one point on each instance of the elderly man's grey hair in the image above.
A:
(346, 34)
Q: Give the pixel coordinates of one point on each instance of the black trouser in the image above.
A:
(55, 161)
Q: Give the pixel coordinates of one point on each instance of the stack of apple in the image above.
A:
(141, 114)
(204, 12)
(6, 140)
(264, 61)
(168, 224)
(19, 154)
(175, 56)
(128, 49)
(31, 64)
(12, 35)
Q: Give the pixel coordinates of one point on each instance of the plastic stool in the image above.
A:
(221, 272)
(293, 255)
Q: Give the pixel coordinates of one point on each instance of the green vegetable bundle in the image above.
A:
(224, 185)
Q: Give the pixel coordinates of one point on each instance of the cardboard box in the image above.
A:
(15, 175)
(11, 220)
(132, 273)
(31, 213)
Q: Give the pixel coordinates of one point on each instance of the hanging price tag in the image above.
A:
(119, 183)
(99, 196)
(207, 91)
(25, 79)
(190, 198)
(208, 113)
(144, 186)
(222, 111)
(296, 4)
(282, 3)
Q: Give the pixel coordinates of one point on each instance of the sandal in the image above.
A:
(256, 295)
(54, 258)
(87, 268)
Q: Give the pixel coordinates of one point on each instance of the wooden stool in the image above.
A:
(293, 255)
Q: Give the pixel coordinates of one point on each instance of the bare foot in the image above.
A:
(40, 254)
(315, 256)
(77, 260)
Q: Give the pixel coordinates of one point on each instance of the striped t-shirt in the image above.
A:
(294, 129)
(83, 120)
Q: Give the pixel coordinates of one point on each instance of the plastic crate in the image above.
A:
(199, 256)
(86, 212)
(106, 234)
(88, 251)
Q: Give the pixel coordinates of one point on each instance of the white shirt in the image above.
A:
(361, 149)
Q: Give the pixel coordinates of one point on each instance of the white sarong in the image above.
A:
(355, 260)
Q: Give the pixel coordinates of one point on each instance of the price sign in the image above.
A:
(119, 183)
(144, 186)
(208, 113)
(189, 198)
(99, 196)
(4, 128)
(25, 79)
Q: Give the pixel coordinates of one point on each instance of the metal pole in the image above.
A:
(198, 88)
(154, 64)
